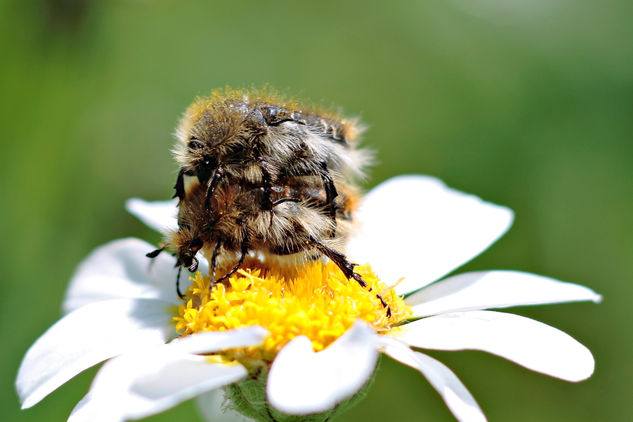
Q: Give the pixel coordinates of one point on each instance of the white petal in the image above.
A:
(86, 337)
(212, 341)
(120, 269)
(458, 399)
(529, 343)
(143, 383)
(158, 215)
(495, 289)
(417, 228)
(211, 407)
(303, 382)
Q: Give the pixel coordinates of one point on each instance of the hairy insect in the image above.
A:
(265, 176)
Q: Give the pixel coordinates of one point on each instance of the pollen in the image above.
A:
(314, 300)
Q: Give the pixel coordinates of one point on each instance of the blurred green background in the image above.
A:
(526, 103)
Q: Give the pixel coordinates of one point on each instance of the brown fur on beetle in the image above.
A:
(237, 219)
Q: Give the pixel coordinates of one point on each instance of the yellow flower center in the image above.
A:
(315, 300)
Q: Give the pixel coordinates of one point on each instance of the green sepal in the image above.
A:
(248, 397)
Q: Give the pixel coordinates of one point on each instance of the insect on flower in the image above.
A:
(263, 175)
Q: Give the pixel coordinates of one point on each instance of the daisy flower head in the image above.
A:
(275, 343)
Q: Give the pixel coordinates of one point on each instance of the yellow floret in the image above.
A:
(315, 300)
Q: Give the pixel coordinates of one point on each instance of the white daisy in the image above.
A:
(413, 231)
